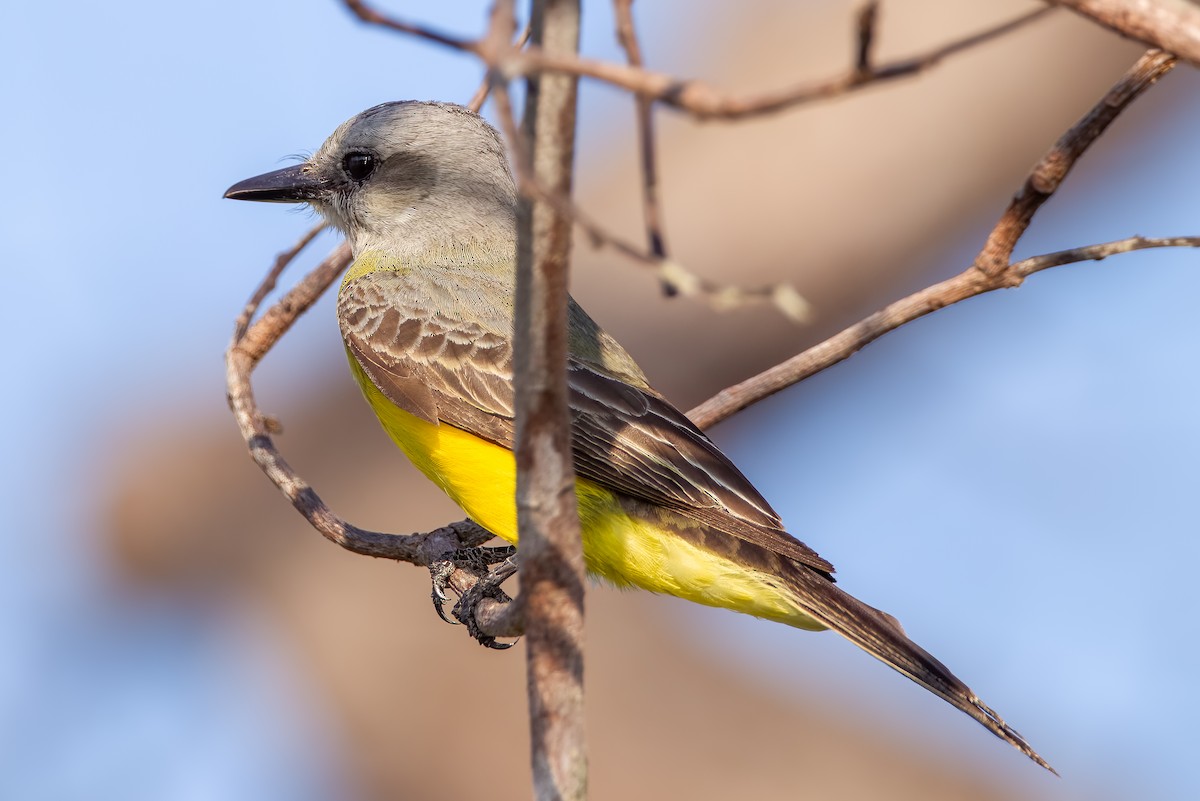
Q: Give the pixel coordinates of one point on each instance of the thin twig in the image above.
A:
(670, 273)
(255, 341)
(694, 97)
(268, 283)
(651, 207)
(369, 15)
(845, 344)
(703, 101)
(991, 269)
(1050, 171)
(1035, 264)
(867, 19)
(485, 87)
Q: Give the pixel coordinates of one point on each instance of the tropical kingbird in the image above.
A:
(424, 194)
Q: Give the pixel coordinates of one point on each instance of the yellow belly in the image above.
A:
(481, 478)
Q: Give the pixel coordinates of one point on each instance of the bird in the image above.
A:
(425, 195)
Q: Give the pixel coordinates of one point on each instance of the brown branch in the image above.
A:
(845, 344)
(254, 341)
(552, 566)
(268, 283)
(703, 101)
(671, 273)
(485, 87)
(991, 269)
(1035, 264)
(369, 15)
(694, 97)
(1050, 171)
(1172, 25)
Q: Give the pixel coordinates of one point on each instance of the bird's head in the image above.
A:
(403, 177)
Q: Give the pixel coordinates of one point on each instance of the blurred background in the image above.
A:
(1014, 477)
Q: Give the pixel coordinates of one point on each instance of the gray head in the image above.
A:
(403, 177)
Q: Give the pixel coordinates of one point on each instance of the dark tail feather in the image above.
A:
(881, 636)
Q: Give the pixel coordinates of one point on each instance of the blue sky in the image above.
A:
(1051, 472)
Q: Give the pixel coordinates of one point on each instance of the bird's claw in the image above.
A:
(478, 561)
(440, 572)
(487, 586)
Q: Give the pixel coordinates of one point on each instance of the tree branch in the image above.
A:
(552, 566)
(695, 97)
(991, 269)
(703, 101)
(370, 16)
(485, 87)
(845, 344)
(1172, 25)
(1048, 174)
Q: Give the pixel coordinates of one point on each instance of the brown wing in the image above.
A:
(625, 438)
(634, 441)
(430, 366)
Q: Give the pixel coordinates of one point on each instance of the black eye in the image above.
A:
(358, 165)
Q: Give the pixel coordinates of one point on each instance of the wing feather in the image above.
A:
(626, 438)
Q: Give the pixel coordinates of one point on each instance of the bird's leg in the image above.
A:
(477, 562)
(488, 586)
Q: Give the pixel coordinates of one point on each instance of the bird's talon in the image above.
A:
(440, 572)
(479, 562)
(488, 586)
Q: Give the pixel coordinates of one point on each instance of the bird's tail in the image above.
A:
(881, 635)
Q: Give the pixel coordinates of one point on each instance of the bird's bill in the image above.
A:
(289, 185)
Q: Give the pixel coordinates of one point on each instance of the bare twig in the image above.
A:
(369, 15)
(552, 567)
(268, 283)
(671, 273)
(651, 209)
(694, 97)
(485, 87)
(253, 342)
(867, 19)
(1035, 264)
(845, 344)
(991, 269)
(703, 101)
(1173, 25)
(1048, 174)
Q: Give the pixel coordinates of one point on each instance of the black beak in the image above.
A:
(289, 185)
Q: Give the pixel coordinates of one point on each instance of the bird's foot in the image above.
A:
(492, 567)
(487, 587)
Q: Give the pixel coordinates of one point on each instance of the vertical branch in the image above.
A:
(627, 34)
(651, 206)
(552, 570)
